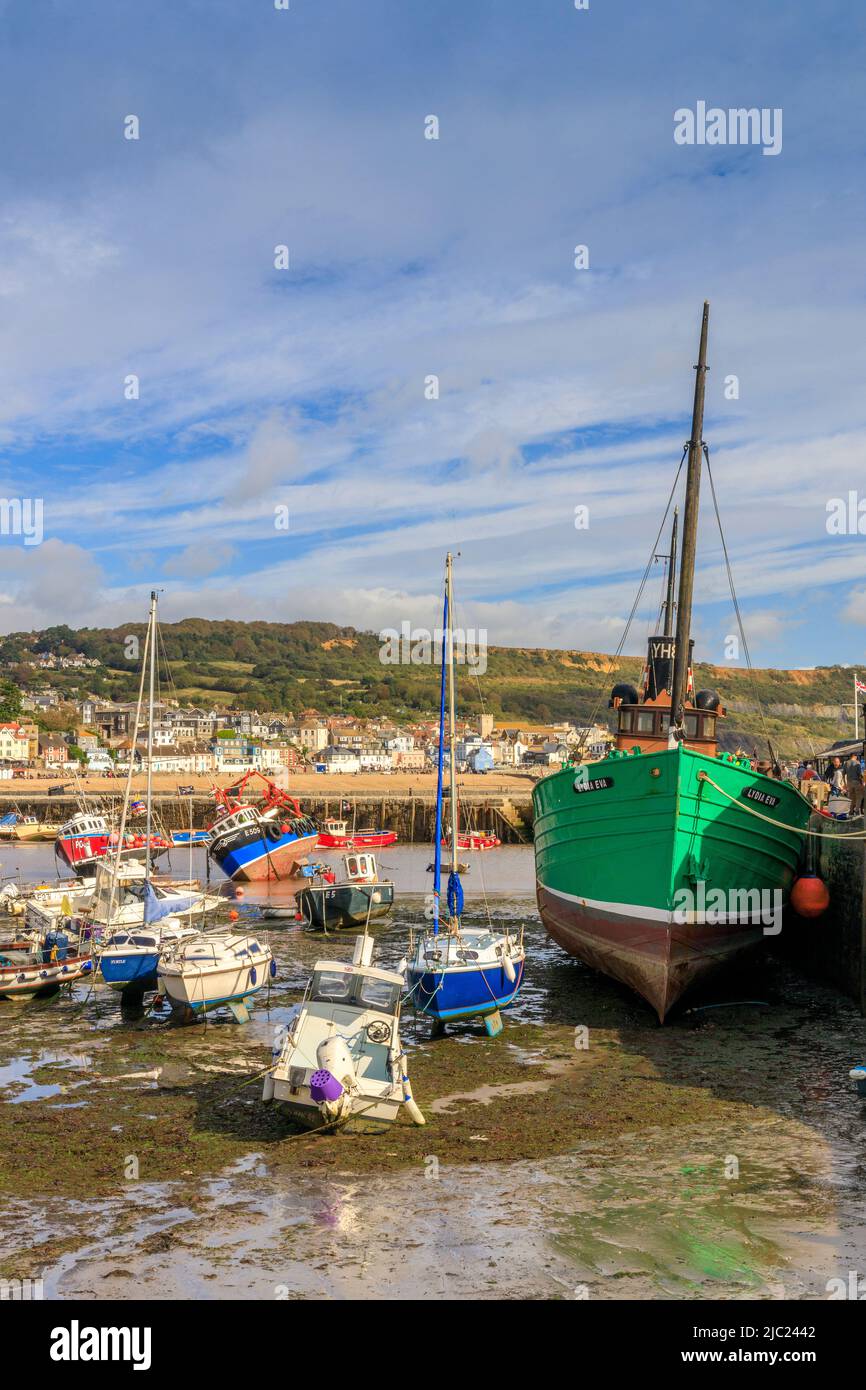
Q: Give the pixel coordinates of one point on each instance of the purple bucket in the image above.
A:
(324, 1086)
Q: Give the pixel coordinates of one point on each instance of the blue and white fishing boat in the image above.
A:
(458, 972)
(260, 842)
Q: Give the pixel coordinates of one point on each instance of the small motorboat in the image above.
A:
(189, 837)
(336, 835)
(341, 1060)
(30, 829)
(858, 1076)
(475, 839)
(355, 900)
(37, 970)
(209, 969)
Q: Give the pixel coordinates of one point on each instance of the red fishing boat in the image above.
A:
(474, 839)
(336, 835)
(86, 839)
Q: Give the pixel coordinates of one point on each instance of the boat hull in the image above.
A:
(345, 905)
(251, 856)
(455, 994)
(655, 869)
(131, 972)
(195, 984)
(375, 839)
(38, 981)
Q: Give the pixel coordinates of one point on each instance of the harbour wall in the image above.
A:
(832, 947)
(413, 817)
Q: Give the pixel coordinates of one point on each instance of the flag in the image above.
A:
(859, 686)
(137, 807)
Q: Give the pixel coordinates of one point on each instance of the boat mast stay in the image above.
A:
(689, 544)
(151, 681)
(452, 718)
(669, 604)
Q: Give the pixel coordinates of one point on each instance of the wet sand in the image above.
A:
(719, 1156)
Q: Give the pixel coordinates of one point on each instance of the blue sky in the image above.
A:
(304, 388)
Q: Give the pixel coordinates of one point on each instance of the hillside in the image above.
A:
(307, 665)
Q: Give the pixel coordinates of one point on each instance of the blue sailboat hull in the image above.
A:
(463, 993)
(138, 970)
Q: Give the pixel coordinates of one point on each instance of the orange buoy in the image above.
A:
(233, 916)
(810, 896)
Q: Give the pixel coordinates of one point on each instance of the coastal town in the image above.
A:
(216, 742)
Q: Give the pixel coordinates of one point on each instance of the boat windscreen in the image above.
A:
(379, 994)
(330, 984)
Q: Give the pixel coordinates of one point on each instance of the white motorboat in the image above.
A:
(210, 969)
(341, 1059)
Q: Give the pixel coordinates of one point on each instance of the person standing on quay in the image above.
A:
(854, 784)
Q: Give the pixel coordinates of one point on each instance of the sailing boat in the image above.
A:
(459, 972)
(666, 859)
(140, 919)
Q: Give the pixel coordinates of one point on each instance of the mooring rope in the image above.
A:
(781, 825)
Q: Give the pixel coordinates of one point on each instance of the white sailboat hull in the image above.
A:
(206, 972)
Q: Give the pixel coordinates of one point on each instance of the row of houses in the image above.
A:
(199, 740)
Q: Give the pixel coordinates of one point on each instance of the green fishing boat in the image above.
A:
(666, 859)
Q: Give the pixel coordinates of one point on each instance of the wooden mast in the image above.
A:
(690, 533)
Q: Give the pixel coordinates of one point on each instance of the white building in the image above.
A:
(333, 759)
(14, 744)
(312, 735)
